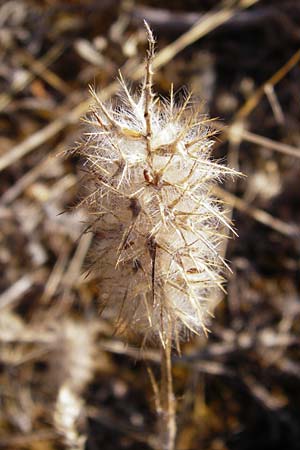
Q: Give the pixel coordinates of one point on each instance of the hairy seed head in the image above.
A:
(157, 226)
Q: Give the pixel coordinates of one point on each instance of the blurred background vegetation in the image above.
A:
(66, 381)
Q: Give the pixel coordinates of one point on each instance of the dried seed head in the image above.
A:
(157, 226)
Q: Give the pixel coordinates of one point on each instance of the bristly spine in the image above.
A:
(158, 228)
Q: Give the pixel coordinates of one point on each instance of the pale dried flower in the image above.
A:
(72, 366)
(158, 228)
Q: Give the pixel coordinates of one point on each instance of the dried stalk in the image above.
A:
(167, 419)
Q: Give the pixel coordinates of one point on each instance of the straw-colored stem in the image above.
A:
(167, 418)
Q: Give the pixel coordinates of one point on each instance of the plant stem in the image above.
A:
(168, 404)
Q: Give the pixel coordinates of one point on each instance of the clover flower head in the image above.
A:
(158, 228)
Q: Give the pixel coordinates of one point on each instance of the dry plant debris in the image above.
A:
(240, 389)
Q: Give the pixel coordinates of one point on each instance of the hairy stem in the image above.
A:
(168, 414)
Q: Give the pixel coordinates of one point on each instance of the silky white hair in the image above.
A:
(157, 226)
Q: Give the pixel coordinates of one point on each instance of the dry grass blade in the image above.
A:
(258, 214)
(253, 101)
(274, 103)
(14, 292)
(73, 272)
(55, 278)
(285, 149)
